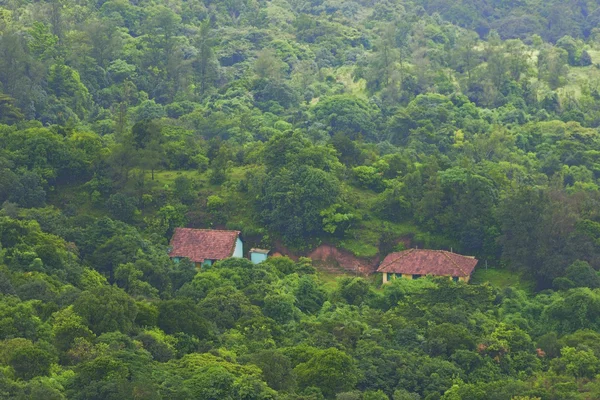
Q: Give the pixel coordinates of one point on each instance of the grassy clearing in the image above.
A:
(502, 278)
(576, 78)
(581, 76)
(331, 278)
(167, 177)
(74, 197)
(358, 247)
(363, 239)
(357, 88)
(595, 54)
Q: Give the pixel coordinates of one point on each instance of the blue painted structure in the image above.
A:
(258, 255)
(238, 252)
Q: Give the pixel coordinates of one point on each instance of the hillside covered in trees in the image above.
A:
(365, 125)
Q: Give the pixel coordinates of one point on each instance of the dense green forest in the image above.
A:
(370, 126)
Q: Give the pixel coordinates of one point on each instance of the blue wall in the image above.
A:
(239, 249)
(257, 258)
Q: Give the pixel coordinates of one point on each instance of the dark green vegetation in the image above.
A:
(366, 125)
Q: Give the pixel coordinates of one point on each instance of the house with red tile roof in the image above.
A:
(414, 263)
(205, 246)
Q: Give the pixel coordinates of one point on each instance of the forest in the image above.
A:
(371, 126)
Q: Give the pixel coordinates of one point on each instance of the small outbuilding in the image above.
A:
(205, 246)
(258, 255)
(415, 263)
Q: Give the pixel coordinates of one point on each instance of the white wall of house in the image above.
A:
(238, 252)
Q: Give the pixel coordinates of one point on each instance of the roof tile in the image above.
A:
(428, 262)
(203, 244)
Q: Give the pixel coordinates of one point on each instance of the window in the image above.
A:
(455, 278)
(416, 276)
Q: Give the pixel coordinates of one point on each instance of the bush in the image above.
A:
(122, 207)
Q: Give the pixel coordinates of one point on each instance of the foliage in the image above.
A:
(368, 126)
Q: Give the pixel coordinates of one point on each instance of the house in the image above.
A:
(414, 263)
(205, 246)
(258, 255)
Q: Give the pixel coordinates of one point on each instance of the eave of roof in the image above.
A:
(428, 262)
(203, 244)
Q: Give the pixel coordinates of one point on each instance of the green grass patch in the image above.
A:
(595, 54)
(362, 199)
(502, 278)
(580, 76)
(359, 248)
(358, 88)
(330, 278)
(399, 229)
(168, 177)
(77, 199)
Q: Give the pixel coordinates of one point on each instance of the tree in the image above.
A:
(105, 41)
(582, 274)
(158, 344)
(568, 44)
(225, 306)
(149, 110)
(552, 66)
(146, 132)
(67, 327)
(348, 114)
(28, 191)
(129, 277)
(578, 363)
(460, 203)
(167, 219)
(18, 71)
(106, 309)
(9, 113)
(354, 291)
(381, 71)
(331, 370)
(447, 338)
(284, 149)
(30, 361)
(276, 369)
(292, 201)
(466, 56)
(43, 41)
(279, 307)
(309, 296)
(122, 207)
(534, 229)
(163, 55)
(348, 150)
(576, 309)
(585, 59)
(206, 376)
(182, 315)
(205, 65)
(65, 83)
(114, 251)
(104, 377)
(268, 66)
(337, 219)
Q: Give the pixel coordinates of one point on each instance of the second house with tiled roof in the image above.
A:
(205, 246)
(415, 263)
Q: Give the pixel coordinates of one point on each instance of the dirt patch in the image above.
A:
(328, 255)
(332, 259)
(281, 250)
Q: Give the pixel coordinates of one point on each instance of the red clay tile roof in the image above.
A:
(428, 262)
(203, 244)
